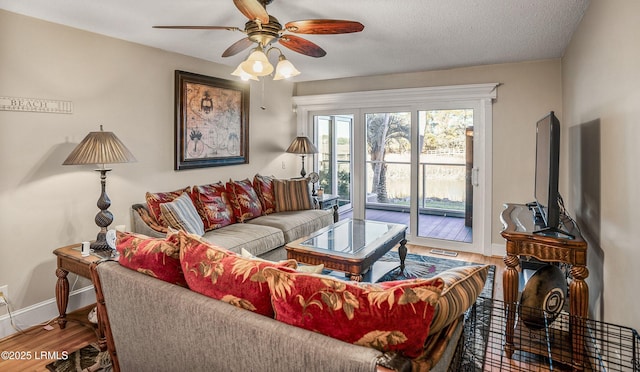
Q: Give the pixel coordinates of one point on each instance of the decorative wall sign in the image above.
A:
(212, 121)
(35, 105)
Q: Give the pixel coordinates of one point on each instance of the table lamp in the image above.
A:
(101, 148)
(302, 145)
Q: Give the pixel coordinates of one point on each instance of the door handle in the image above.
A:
(475, 176)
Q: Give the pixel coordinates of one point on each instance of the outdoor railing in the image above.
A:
(442, 187)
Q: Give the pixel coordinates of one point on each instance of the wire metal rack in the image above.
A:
(607, 347)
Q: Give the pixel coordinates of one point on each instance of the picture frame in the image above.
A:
(211, 121)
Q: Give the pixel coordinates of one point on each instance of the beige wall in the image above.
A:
(126, 87)
(528, 91)
(601, 80)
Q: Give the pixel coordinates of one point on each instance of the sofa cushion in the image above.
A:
(157, 257)
(244, 200)
(292, 195)
(214, 205)
(462, 286)
(156, 198)
(181, 214)
(296, 224)
(257, 239)
(391, 319)
(264, 188)
(221, 274)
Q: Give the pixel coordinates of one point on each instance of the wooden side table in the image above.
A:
(329, 201)
(70, 259)
(521, 241)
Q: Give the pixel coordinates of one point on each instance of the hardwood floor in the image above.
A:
(36, 344)
(79, 332)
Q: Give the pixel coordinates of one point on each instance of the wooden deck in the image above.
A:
(429, 226)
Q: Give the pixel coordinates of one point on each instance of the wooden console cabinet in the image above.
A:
(518, 230)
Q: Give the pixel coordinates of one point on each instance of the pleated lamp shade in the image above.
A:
(100, 148)
(302, 145)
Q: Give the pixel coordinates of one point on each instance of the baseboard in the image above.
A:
(44, 311)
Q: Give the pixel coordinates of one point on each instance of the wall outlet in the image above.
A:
(4, 292)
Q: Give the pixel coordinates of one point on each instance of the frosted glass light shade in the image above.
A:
(242, 74)
(257, 64)
(285, 69)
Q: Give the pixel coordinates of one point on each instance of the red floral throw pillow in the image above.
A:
(157, 257)
(392, 319)
(221, 274)
(244, 200)
(214, 206)
(264, 188)
(155, 199)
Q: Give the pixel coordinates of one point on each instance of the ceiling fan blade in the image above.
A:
(237, 47)
(324, 26)
(252, 9)
(303, 46)
(229, 28)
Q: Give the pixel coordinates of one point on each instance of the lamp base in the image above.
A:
(100, 244)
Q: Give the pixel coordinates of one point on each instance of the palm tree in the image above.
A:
(382, 130)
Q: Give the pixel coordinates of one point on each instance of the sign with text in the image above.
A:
(35, 105)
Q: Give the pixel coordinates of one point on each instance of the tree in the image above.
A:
(383, 130)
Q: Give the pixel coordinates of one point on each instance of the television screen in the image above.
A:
(547, 169)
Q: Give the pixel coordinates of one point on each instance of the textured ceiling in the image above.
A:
(399, 36)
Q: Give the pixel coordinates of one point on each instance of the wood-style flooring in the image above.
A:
(429, 226)
(34, 341)
(79, 332)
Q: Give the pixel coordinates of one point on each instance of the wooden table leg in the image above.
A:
(579, 310)
(510, 292)
(402, 253)
(62, 296)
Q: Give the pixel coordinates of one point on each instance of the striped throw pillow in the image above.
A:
(292, 195)
(462, 286)
(181, 214)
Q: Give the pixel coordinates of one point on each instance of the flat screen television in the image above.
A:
(547, 173)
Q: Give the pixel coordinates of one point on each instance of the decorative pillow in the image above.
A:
(221, 274)
(393, 319)
(157, 257)
(213, 204)
(264, 188)
(181, 214)
(244, 200)
(462, 286)
(292, 195)
(155, 199)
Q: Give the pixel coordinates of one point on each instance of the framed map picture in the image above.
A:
(212, 121)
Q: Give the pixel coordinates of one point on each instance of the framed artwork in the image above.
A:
(212, 121)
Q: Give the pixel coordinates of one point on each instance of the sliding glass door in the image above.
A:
(420, 157)
(445, 190)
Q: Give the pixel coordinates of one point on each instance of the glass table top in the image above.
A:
(353, 237)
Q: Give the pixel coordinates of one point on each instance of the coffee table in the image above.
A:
(351, 246)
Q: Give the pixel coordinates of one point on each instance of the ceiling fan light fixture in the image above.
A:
(285, 69)
(257, 64)
(242, 74)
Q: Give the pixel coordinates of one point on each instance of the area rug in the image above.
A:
(418, 266)
(87, 359)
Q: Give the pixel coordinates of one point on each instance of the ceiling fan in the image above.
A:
(265, 30)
